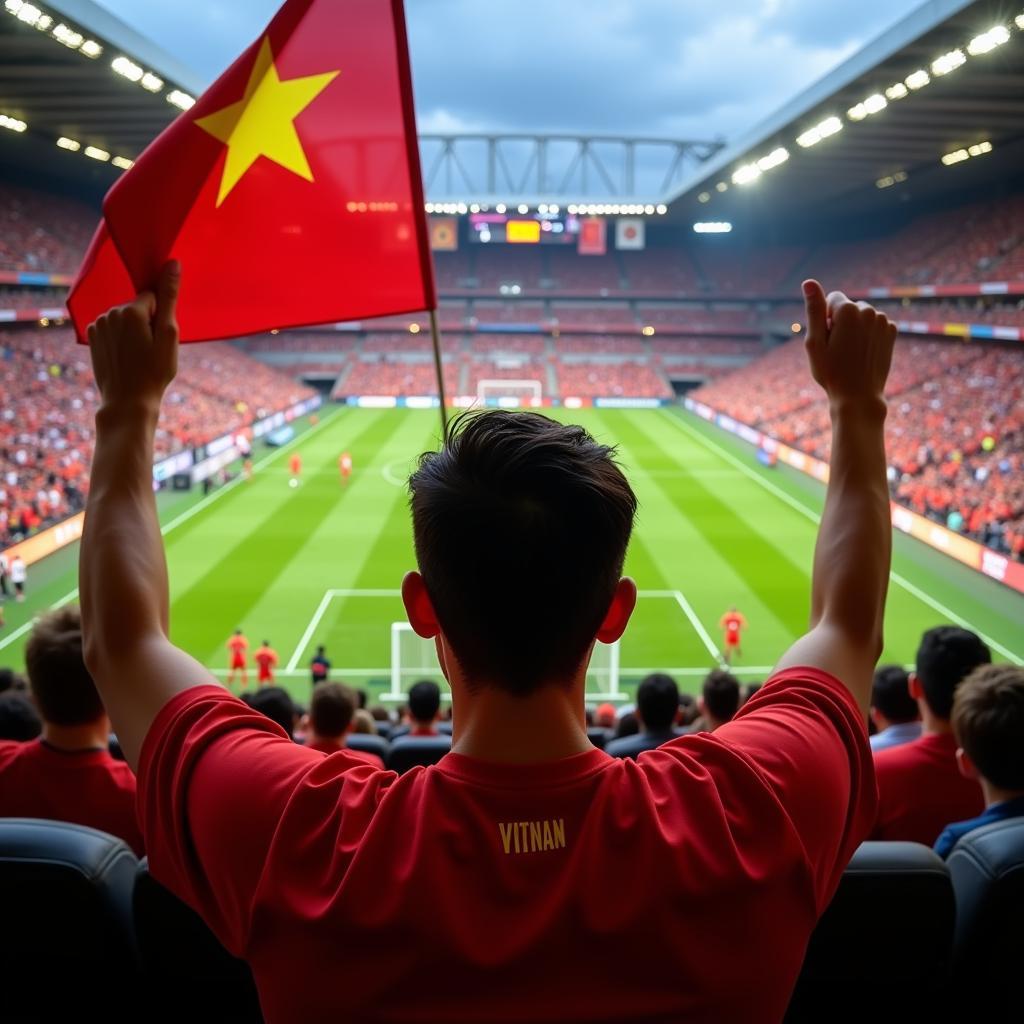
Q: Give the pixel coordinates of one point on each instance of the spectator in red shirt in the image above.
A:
(67, 773)
(491, 857)
(920, 788)
(330, 720)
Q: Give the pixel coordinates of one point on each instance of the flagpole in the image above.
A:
(435, 337)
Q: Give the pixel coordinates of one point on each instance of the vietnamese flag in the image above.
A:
(290, 192)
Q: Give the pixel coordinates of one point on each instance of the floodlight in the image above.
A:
(917, 79)
(13, 124)
(123, 162)
(746, 174)
(957, 156)
(180, 99)
(989, 40)
(128, 69)
(151, 82)
(72, 145)
(90, 48)
(96, 153)
(948, 62)
(896, 91)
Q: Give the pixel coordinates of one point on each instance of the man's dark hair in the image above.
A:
(331, 709)
(18, 718)
(627, 725)
(657, 701)
(274, 702)
(361, 698)
(890, 694)
(688, 710)
(945, 657)
(521, 525)
(61, 685)
(721, 694)
(988, 722)
(424, 700)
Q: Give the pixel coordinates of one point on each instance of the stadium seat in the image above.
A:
(987, 868)
(883, 947)
(368, 744)
(183, 964)
(409, 751)
(66, 894)
(599, 737)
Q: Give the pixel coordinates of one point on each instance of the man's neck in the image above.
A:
(931, 724)
(547, 725)
(332, 741)
(70, 738)
(995, 795)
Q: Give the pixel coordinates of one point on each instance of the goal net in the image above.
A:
(509, 394)
(603, 674)
(413, 658)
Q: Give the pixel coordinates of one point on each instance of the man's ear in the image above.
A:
(418, 606)
(966, 766)
(617, 617)
(914, 686)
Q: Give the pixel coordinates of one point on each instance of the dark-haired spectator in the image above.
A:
(19, 720)
(275, 703)
(988, 723)
(920, 789)
(894, 712)
(11, 680)
(719, 699)
(688, 710)
(747, 691)
(330, 719)
(657, 707)
(424, 709)
(628, 724)
(67, 774)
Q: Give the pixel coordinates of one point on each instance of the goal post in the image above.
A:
(511, 394)
(414, 658)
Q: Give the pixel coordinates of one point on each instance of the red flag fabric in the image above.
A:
(290, 192)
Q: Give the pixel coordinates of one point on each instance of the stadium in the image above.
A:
(645, 289)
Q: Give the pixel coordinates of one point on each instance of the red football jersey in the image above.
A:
(86, 788)
(921, 790)
(328, 747)
(588, 888)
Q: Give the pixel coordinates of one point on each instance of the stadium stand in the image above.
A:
(46, 425)
(40, 231)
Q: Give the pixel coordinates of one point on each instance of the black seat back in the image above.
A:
(882, 949)
(409, 751)
(184, 967)
(987, 867)
(368, 744)
(598, 736)
(67, 938)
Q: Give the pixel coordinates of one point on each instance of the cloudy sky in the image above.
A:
(662, 68)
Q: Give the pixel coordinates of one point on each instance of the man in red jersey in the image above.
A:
(294, 468)
(490, 858)
(732, 624)
(266, 661)
(67, 773)
(920, 786)
(238, 647)
(345, 466)
(330, 721)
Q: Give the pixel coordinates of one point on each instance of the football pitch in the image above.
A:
(321, 563)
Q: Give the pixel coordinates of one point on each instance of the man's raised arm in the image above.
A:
(122, 570)
(849, 347)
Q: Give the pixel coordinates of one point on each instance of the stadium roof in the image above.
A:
(936, 83)
(70, 70)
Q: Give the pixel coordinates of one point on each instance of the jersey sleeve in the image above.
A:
(807, 739)
(795, 758)
(224, 794)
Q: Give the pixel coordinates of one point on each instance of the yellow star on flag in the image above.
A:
(262, 122)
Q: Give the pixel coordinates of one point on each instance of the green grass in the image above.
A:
(715, 526)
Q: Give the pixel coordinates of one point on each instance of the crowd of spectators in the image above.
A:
(46, 422)
(604, 380)
(954, 433)
(41, 232)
